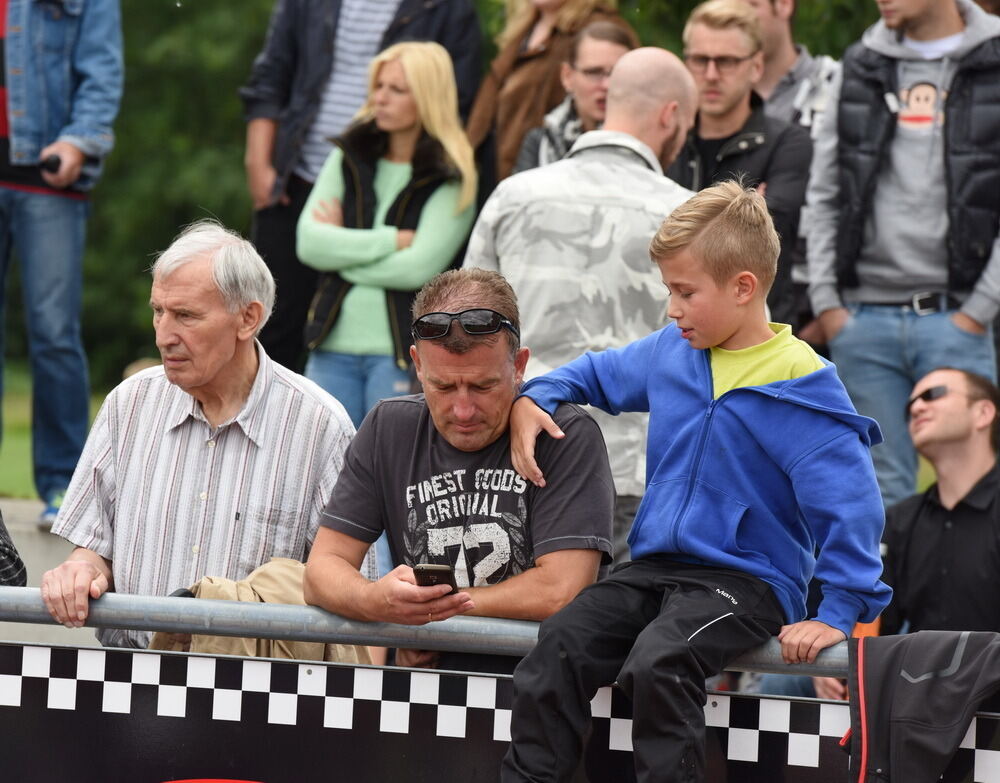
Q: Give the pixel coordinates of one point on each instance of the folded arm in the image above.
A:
(329, 247)
(438, 236)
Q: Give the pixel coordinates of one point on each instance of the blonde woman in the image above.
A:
(391, 208)
(523, 82)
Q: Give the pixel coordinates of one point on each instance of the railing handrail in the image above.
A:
(311, 624)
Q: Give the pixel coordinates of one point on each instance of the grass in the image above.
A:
(15, 450)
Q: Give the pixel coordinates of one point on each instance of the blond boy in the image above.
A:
(755, 459)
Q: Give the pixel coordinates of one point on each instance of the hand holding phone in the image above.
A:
(429, 574)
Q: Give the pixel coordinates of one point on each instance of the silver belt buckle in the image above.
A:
(925, 309)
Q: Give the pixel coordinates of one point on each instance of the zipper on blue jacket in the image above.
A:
(695, 472)
(699, 453)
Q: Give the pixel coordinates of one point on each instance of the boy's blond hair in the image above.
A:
(728, 229)
(726, 15)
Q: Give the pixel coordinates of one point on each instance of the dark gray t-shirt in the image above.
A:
(471, 510)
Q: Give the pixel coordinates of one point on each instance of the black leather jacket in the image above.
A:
(288, 76)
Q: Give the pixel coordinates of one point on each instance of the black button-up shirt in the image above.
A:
(944, 566)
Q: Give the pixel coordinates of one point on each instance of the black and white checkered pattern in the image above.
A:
(231, 689)
(795, 741)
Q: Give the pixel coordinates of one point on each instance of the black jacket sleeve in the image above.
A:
(464, 41)
(787, 177)
(12, 571)
(269, 86)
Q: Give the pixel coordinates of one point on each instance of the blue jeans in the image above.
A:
(794, 685)
(880, 354)
(358, 382)
(47, 234)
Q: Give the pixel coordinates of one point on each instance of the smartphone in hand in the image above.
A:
(428, 574)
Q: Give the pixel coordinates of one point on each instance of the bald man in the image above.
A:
(572, 238)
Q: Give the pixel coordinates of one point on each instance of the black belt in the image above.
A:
(924, 303)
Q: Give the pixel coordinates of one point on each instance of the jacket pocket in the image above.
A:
(712, 524)
(60, 26)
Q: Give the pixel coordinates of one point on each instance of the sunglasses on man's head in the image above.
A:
(927, 395)
(477, 321)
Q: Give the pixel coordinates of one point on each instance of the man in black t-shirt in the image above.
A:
(434, 471)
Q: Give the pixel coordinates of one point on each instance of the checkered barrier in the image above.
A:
(84, 715)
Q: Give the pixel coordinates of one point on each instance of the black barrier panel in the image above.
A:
(93, 716)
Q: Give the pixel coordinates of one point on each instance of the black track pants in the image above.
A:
(658, 627)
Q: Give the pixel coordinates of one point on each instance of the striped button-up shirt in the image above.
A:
(361, 26)
(169, 499)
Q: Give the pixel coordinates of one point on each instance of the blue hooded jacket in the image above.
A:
(755, 481)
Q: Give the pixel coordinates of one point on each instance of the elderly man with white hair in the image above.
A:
(210, 464)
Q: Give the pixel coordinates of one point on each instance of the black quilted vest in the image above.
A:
(362, 147)
(865, 128)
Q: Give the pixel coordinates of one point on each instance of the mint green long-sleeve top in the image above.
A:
(368, 258)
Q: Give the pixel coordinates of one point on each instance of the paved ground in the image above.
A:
(40, 552)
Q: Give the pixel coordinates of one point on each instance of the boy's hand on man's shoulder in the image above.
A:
(527, 422)
(801, 642)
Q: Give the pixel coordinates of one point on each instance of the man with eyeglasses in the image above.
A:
(904, 196)
(434, 472)
(572, 238)
(734, 138)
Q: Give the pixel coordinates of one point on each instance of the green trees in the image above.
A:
(178, 157)
(826, 26)
(179, 153)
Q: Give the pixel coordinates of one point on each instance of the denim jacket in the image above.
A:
(64, 78)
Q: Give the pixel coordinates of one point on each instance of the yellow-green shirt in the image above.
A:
(781, 358)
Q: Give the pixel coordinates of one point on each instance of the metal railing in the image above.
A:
(309, 624)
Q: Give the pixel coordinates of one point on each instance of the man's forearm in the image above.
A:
(537, 593)
(260, 142)
(333, 584)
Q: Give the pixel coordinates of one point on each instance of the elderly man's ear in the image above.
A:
(250, 318)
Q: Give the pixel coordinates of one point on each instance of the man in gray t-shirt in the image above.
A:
(434, 471)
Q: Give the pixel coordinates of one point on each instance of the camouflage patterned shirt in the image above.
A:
(572, 238)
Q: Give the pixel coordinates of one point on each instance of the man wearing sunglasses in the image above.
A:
(947, 535)
(940, 547)
(734, 138)
(434, 472)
